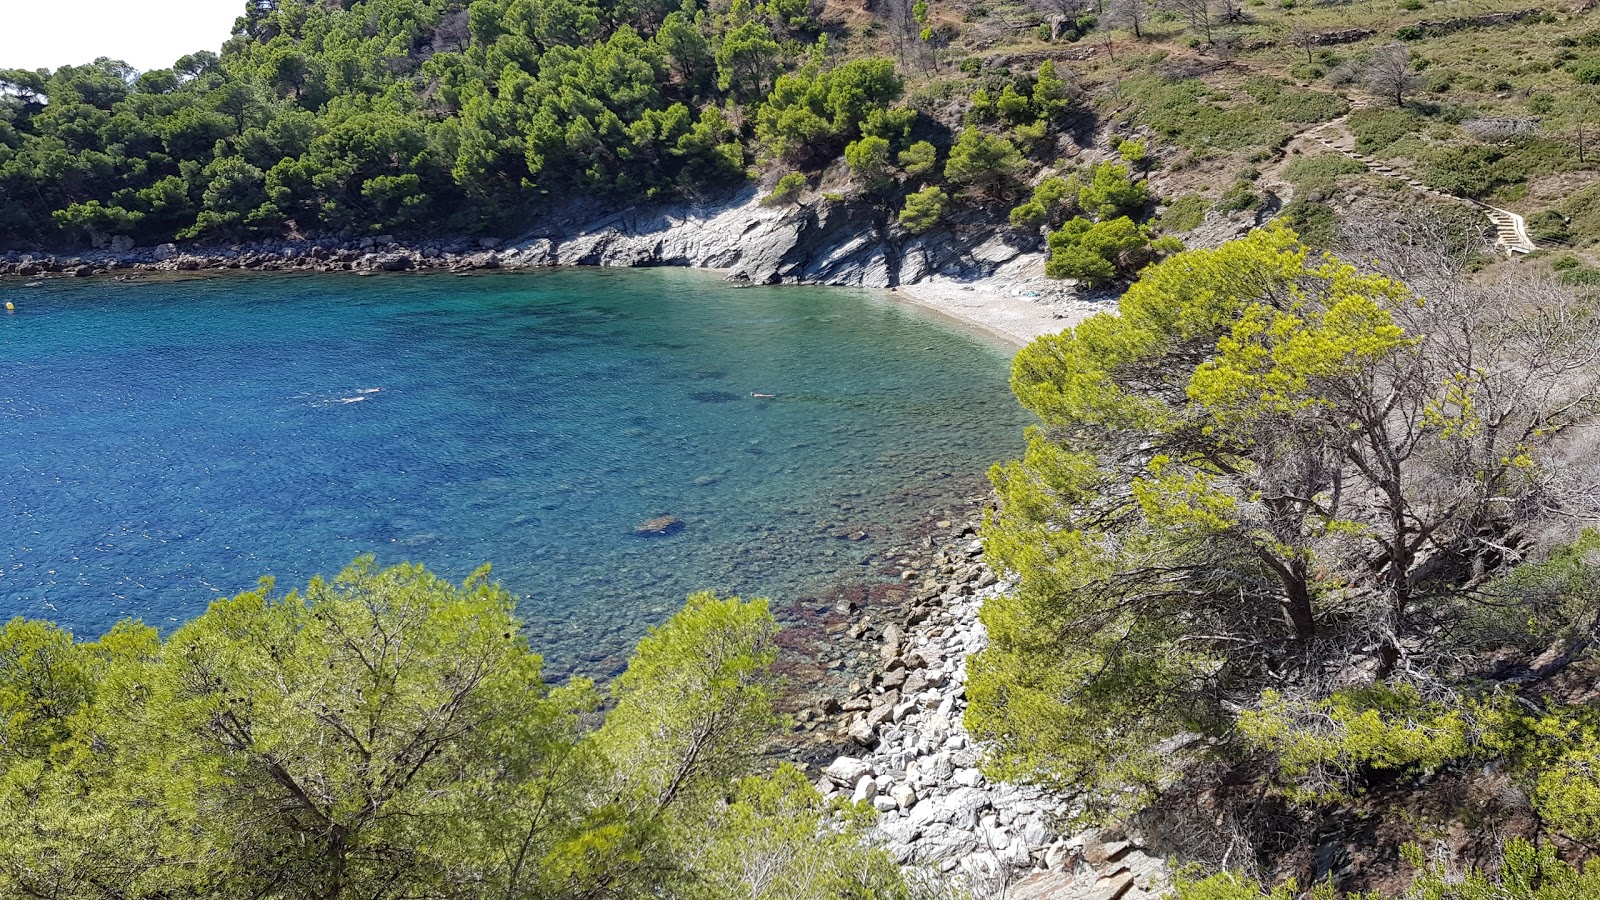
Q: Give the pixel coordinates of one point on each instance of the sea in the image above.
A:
(164, 443)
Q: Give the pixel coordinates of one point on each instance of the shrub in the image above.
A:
(986, 164)
(1316, 224)
(919, 159)
(1377, 129)
(1322, 746)
(1096, 252)
(1030, 136)
(1238, 198)
(787, 188)
(1182, 112)
(1586, 70)
(868, 160)
(1111, 192)
(811, 114)
(924, 209)
(1324, 166)
(1548, 225)
(1028, 217)
(1473, 170)
(1184, 214)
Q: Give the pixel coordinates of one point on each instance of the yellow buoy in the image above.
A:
(10, 307)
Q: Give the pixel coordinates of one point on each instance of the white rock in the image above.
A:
(866, 789)
(1059, 856)
(904, 796)
(1035, 833)
(847, 770)
(968, 777)
(961, 806)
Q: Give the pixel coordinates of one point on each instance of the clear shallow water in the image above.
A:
(166, 443)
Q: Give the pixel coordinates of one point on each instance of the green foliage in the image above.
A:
(1184, 214)
(985, 164)
(388, 734)
(695, 704)
(1232, 886)
(1188, 112)
(1097, 658)
(1053, 199)
(1238, 197)
(924, 210)
(392, 115)
(1585, 70)
(1029, 216)
(1321, 746)
(919, 160)
(776, 840)
(1376, 129)
(787, 188)
(1524, 872)
(1316, 223)
(1096, 252)
(1473, 170)
(869, 162)
(1112, 192)
(812, 114)
(1323, 168)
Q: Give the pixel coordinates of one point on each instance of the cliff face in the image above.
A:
(824, 242)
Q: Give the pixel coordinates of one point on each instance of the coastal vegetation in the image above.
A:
(388, 734)
(1305, 524)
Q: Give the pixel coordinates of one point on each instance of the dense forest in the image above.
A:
(404, 114)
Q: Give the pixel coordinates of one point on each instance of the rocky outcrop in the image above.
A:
(917, 765)
(1339, 36)
(824, 241)
(1441, 27)
(820, 242)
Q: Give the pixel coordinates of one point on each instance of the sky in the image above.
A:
(146, 34)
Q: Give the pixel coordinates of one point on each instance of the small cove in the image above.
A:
(169, 442)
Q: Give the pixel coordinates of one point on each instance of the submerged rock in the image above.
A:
(659, 526)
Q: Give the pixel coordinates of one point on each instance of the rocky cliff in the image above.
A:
(822, 241)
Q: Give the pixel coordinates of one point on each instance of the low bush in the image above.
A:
(1472, 170)
(1317, 224)
(1321, 747)
(1184, 214)
(787, 188)
(1377, 129)
(1238, 198)
(1182, 112)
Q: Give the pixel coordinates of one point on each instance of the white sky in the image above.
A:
(146, 34)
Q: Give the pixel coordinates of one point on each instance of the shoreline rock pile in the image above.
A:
(918, 767)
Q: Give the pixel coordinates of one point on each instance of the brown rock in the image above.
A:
(659, 526)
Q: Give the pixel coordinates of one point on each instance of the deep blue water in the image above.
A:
(166, 443)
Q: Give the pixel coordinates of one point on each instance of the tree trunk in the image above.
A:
(1297, 602)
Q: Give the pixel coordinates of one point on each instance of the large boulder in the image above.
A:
(846, 771)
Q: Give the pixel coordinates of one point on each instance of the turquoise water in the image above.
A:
(166, 443)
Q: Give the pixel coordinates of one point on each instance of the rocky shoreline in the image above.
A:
(991, 278)
(823, 241)
(910, 757)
